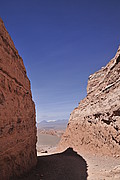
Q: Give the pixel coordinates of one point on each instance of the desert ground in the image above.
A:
(69, 165)
(47, 141)
(102, 167)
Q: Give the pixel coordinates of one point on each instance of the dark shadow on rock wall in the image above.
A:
(67, 165)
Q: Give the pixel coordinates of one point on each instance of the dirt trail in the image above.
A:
(61, 166)
(101, 167)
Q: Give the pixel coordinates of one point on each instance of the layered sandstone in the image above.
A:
(94, 126)
(17, 112)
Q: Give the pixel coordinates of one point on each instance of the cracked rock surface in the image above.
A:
(17, 112)
(94, 126)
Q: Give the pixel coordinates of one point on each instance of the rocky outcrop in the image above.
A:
(94, 126)
(17, 112)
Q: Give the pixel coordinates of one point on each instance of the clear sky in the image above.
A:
(62, 42)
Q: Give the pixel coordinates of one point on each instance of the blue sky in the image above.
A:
(62, 43)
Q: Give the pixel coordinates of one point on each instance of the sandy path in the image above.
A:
(71, 166)
(102, 167)
(62, 166)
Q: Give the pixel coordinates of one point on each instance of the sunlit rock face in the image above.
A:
(94, 126)
(17, 112)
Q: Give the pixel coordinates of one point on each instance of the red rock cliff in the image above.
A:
(94, 126)
(17, 112)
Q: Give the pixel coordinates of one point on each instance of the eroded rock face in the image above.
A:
(94, 126)
(17, 112)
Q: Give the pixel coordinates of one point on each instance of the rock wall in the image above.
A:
(94, 126)
(17, 112)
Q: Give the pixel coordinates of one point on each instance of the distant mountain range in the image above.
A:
(56, 125)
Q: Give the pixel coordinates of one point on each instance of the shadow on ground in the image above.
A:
(67, 165)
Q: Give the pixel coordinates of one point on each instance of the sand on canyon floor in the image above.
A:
(71, 165)
(99, 167)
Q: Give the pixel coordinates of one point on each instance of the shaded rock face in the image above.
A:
(17, 112)
(94, 126)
